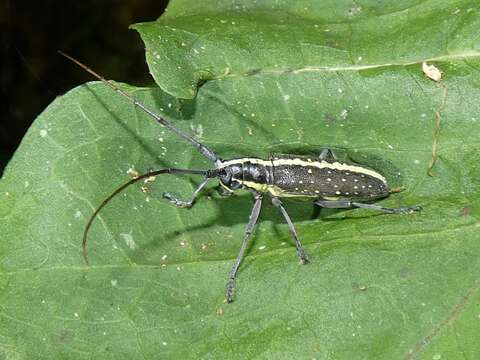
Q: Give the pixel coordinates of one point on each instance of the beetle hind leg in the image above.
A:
(300, 250)
(399, 210)
(348, 204)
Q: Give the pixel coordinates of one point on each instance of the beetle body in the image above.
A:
(330, 184)
(304, 177)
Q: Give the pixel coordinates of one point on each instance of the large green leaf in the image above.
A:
(280, 77)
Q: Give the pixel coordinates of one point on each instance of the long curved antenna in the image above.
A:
(204, 150)
(206, 173)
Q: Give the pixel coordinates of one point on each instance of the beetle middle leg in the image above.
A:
(300, 250)
(186, 203)
(348, 204)
(230, 292)
(327, 152)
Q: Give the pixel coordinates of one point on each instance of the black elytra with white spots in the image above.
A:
(288, 176)
(327, 182)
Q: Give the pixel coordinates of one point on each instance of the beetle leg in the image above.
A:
(334, 204)
(223, 192)
(348, 204)
(183, 203)
(325, 153)
(300, 250)
(399, 210)
(248, 234)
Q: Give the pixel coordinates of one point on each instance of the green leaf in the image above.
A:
(280, 77)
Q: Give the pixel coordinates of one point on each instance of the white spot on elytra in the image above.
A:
(129, 240)
(43, 133)
(78, 214)
(344, 180)
(164, 257)
(337, 192)
(309, 171)
(286, 97)
(261, 247)
(113, 282)
(416, 162)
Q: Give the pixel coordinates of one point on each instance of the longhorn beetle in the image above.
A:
(330, 183)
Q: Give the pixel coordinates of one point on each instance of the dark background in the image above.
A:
(32, 73)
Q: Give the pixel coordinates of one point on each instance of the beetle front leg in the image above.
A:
(300, 250)
(186, 203)
(223, 191)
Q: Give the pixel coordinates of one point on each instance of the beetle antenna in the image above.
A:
(204, 150)
(207, 173)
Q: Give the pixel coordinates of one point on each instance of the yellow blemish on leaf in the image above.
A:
(432, 72)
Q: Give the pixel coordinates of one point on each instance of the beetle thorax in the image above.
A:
(243, 172)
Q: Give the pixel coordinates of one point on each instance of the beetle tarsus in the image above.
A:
(182, 203)
(303, 256)
(177, 202)
(230, 292)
